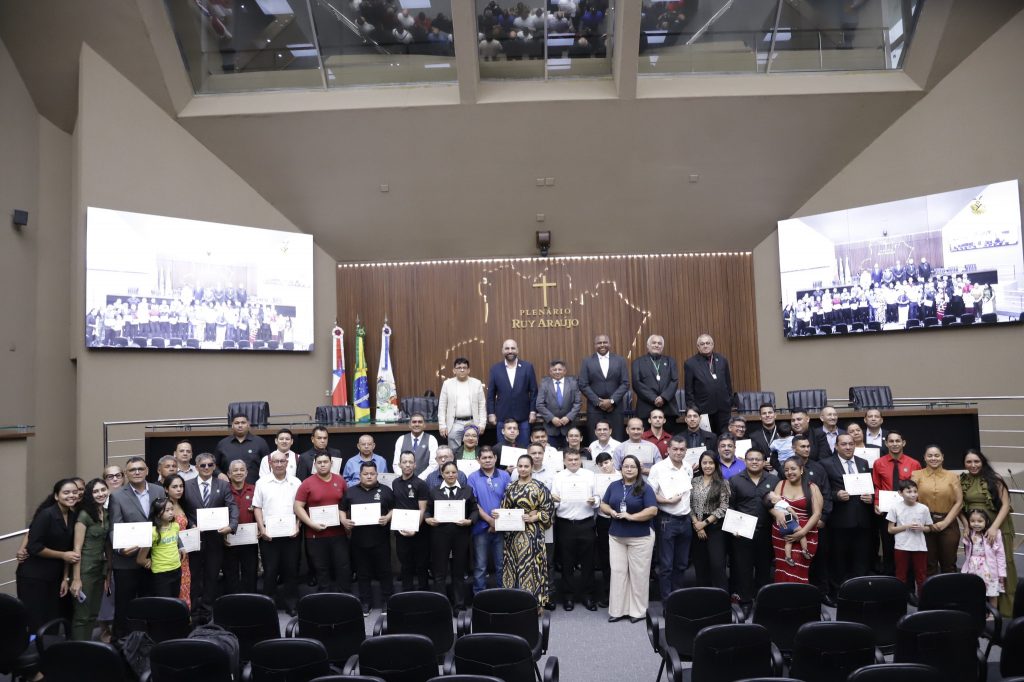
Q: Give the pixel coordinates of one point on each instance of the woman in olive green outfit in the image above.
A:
(90, 574)
(986, 490)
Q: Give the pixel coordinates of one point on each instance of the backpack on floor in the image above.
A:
(222, 638)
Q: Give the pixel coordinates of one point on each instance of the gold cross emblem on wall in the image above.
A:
(543, 285)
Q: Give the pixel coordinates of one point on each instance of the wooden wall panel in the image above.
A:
(443, 309)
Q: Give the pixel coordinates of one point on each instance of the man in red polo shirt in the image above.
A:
(657, 435)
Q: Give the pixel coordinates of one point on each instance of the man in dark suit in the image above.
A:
(851, 521)
(558, 403)
(207, 492)
(708, 384)
(304, 466)
(604, 380)
(130, 504)
(655, 381)
(823, 438)
(512, 391)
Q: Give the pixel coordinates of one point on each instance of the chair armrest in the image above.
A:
(545, 631)
(551, 669)
(464, 624)
(674, 671)
(351, 665)
(381, 626)
(879, 658)
(776, 659)
(292, 627)
(654, 625)
(448, 667)
(59, 624)
(997, 624)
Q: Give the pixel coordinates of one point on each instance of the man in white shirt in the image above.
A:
(573, 493)
(462, 402)
(275, 497)
(671, 480)
(421, 444)
(874, 434)
(284, 441)
(183, 455)
(604, 442)
(645, 451)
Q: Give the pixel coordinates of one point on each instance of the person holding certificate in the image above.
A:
(709, 501)
(241, 561)
(851, 521)
(451, 513)
(317, 505)
(370, 540)
(752, 557)
(211, 508)
(670, 479)
(273, 505)
(526, 560)
(575, 501)
(489, 483)
(412, 546)
(42, 580)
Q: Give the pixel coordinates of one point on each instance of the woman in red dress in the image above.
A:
(805, 503)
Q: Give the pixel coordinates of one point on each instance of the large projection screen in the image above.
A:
(156, 282)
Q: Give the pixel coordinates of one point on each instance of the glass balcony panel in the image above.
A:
(510, 42)
(579, 38)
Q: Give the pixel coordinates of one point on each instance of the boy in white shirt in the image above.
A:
(909, 520)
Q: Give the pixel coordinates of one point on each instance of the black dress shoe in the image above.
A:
(551, 606)
(589, 605)
(635, 620)
(615, 619)
(568, 605)
(602, 603)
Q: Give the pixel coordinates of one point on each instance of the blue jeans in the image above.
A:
(674, 535)
(482, 542)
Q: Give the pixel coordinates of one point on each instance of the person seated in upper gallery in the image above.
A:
(490, 48)
(514, 46)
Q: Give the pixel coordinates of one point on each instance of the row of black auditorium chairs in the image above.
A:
(789, 629)
(158, 342)
(502, 635)
(857, 327)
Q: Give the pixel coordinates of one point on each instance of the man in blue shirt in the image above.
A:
(727, 461)
(365, 445)
(488, 483)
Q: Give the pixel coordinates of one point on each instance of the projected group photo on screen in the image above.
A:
(155, 282)
(944, 260)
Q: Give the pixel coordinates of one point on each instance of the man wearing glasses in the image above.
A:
(461, 403)
(208, 492)
(130, 504)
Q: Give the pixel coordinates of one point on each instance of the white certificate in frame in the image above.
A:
(449, 511)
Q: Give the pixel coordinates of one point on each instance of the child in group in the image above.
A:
(984, 559)
(792, 525)
(909, 520)
(782, 446)
(164, 558)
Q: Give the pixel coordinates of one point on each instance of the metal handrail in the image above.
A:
(351, 25)
(714, 18)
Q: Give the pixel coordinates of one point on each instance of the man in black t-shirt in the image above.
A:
(371, 544)
(413, 549)
(243, 445)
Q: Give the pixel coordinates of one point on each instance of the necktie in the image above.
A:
(448, 491)
(206, 492)
(895, 474)
(849, 466)
(558, 391)
(415, 442)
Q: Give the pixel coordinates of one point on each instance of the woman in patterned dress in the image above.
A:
(526, 560)
(175, 487)
(805, 503)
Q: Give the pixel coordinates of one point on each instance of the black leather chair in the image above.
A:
(1018, 604)
(176, 343)
(140, 341)
(782, 608)
(825, 329)
(258, 412)
(683, 614)
(629, 404)
(1011, 658)
(17, 658)
(812, 399)
(348, 678)
(931, 322)
(378, 657)
(989, 318)
(680, 400)
(897, 672)
(950, 321)
(157, 342)
(465, 678)
(944, 639)
(162, 618)
(244, 345)
(857, 327)
(192, 343)
(877, 601)
(874, 326)
(967, 319)
(427, 405)
(865, 397)
(507, 657)
(509, 611)
(121, 342)
(273, 345)
(250, 617)
(419, 613)
(82, 662)
(823, 652)
(328, 415)
(963, 592)
(335, 619)
(723, 653)
(751, 401)
(189, 660)
(228, 345)
(287, 660)
(914, 324)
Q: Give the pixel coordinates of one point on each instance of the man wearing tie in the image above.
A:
(421, 444)
(655, 380)
(708, 384)
(512, 391)
(851, 521)
(604, 380)
(558, 403)
(208, 492)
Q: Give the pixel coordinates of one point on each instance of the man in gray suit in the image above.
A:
(558, 403)
(130, 504)
(604, 380)
(207, 492)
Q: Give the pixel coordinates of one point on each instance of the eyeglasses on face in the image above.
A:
(206, 465)
(114, 476)
(137, 470)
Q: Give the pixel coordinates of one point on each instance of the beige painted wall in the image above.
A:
(131, 156)
(965, 132)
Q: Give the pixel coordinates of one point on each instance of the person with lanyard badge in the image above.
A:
(412, 548)
(451, 537)
(670, 480)
(632, 507)
(489, 484)
(525, 559)
(761, 437)
(326, 539)
(655, 380)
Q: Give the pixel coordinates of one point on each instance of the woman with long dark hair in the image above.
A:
(709, 500)
(939, 490)
(984, 489)
(805, 505)
(91, 575)
(526, 559)
(42, 579)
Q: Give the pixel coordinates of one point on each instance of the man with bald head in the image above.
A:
(604, 380)
(512, 391)
(655, 380)
(708, 384)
